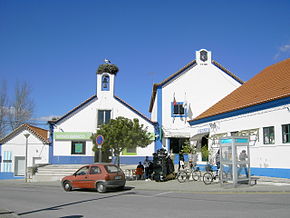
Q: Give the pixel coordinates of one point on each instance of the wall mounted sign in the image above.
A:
(72, 135)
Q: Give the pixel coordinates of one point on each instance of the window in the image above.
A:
(129, 151)
(286, 133)
(78, 147)
(104, 116)
(268, 135)
(112, 169)
(105, 83)
(82, 171)
(95, 170)
(178, 109)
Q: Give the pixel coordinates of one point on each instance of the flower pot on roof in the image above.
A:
(108, 68)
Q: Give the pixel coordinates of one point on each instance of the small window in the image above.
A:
(104, 117)
(178, 109)
(130, 151)
(78, 147)
(268, 135)
(95, 170)
(112, 169)
(286, 133)
(83, 171)
(105, 83)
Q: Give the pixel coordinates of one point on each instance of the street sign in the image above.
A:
(99, 141)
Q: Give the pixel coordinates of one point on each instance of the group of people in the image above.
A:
(145, 170)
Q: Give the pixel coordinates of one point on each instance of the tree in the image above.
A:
(121, 133)
(3, 109)
(22, 107)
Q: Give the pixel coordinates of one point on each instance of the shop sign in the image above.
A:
(72, 135)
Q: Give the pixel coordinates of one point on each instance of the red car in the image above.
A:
(98, 176)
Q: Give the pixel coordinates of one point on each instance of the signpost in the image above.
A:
(99, 142)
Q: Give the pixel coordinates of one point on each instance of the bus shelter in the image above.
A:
(234, 160)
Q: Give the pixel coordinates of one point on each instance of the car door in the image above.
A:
(81, 178)
(94, 176)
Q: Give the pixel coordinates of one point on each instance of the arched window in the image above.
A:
(105, 83)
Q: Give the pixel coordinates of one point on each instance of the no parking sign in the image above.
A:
(99, 141)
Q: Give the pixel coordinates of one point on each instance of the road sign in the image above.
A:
(99, 141)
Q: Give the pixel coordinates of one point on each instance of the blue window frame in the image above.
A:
(178, 109)
(105, 83)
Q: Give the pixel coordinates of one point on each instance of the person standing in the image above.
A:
(218, 160)
(139, 171)
(242, 157)
(146, 164)
(181, 161)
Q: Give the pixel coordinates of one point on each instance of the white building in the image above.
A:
(259, 108)
(186, 94)
(13, 150)
(70, 134)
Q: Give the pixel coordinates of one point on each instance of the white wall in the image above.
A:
(17, 145)
(201, 86)
(85, 120)
(262, 155)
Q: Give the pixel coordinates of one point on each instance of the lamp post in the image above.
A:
(26, 154)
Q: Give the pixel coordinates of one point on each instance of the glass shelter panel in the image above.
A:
(235, 160)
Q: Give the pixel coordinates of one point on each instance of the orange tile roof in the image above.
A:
(270, 84)
(42, 134)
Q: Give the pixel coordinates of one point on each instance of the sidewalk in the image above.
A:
(264, 184)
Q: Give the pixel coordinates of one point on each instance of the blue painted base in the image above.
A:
(72, 160)
(133, 160)
(9, 176)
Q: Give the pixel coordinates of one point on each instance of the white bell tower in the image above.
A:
(106, 79)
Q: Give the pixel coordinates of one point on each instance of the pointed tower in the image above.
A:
(106, 79)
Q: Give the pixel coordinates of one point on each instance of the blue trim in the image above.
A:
(50, 151)
(75, 109)
(271, 172)
(178, 115)
(246, 110)
(9, 176)
(72, 159)
(158, 143)
(0, 156)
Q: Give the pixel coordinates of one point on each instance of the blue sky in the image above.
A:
(57, 45)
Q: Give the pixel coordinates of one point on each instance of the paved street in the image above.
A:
(143, 199)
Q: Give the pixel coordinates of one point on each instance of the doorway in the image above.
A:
(19, 166)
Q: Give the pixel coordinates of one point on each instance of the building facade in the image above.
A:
(259, 109)
(13, 148)
(70, 134)
(186, 94)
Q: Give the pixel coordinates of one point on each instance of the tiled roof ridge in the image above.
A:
(272, 79)
(156, 85)
(134, 109)
(227, 71)
(242, 107)
(33, 129)
(72, 110)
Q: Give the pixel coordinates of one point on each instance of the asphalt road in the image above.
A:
(41, 201)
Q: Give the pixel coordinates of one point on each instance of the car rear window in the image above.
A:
(112, 169)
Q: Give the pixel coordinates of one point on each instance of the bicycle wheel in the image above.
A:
(207, 178)
(196, 175)
(181, 176)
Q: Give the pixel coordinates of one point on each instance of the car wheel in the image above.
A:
(101, 187)
(67, 186)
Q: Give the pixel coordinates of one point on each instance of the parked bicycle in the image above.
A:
(185, 175)
(210, 175)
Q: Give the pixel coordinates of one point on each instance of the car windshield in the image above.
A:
(112, 169)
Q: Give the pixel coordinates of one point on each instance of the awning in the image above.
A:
(198, 137)
(176, 134)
